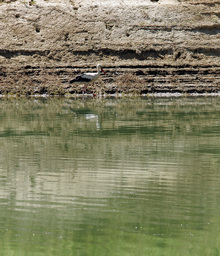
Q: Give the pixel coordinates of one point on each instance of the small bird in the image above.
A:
(87, 78)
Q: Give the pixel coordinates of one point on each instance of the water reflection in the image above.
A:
(110, 177)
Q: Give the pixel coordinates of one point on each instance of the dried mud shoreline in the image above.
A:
(145, 47)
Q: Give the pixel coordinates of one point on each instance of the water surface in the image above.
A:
(110, 177)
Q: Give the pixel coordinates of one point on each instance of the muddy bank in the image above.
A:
(39, 80)
(144, 46)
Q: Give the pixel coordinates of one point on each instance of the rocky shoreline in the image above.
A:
(145, 46)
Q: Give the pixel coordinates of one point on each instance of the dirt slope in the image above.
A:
(168, 45)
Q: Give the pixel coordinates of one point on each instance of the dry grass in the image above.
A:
(129, 82)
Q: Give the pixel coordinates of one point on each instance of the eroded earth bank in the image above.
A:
(145, 46)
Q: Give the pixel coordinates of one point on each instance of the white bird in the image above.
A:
(87, 78)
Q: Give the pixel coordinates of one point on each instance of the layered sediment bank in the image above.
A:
(145, 46)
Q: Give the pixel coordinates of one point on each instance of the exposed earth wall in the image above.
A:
(144, 45)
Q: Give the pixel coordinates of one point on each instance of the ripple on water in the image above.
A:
(110, 175)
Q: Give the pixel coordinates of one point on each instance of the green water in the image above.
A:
(110, 177)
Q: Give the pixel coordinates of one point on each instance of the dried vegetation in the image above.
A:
(129, 83)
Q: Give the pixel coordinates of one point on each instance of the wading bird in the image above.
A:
(87, 78)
